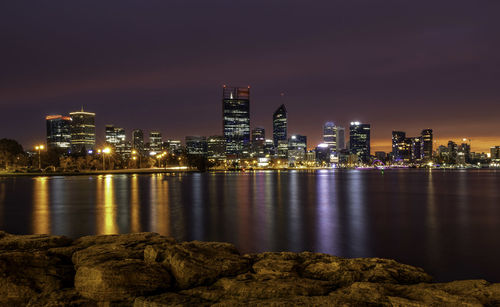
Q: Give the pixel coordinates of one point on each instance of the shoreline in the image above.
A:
(175, 170)
(147, 269)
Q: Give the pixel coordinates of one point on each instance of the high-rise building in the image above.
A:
(114, 135)
(173, 146)
(426, 145)
(196, 145)
(236, 118)
(340, 138)
(297, 147)
(416, 149)
(359, 140)
(216, 147)
(280, 123)
(452, 152)
(399, 146)
(82, 131)
(495, 153)
(58, 132)
(138, 140)
(330, 135)
(155, 141)
(258, 141)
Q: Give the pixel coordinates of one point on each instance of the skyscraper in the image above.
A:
(280, 125)
(258, 141)
(359, 140)
(426, 144)
(114, 135)
(236, 118)
(82, 131)
(216, 147)
(416, 149)
(330, 135)
(155, 141)
(297, 147)
(398, 146)
(58, 131)
(340, 138)
(138, 140)
(196, 145)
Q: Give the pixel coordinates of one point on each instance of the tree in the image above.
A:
(11, 154)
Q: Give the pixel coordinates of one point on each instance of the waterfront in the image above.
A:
(444, 221)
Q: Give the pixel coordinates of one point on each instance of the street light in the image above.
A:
(39, 148)
(105, 151)
(134, 152)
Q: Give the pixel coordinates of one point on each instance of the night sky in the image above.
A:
(396, 64)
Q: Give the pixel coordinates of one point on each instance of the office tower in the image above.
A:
(416, 149)
(452, 152)
(464, 155)
(216, 147)
(196, 145)
(258, 140)
(340, 138)
(426, 145)
(398, 145)
(323, 153)
(82, 131)
(114, 135)
(495, 154)
(173, 146)
(297, 147)
(359, 140)
(155, 141)
(138, 140)
(280, 123)
(269, 149)
(236, 118)
(330, 135)
(58, 132)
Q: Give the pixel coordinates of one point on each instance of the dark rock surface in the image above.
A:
(146, 269)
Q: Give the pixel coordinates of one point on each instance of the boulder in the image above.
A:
(121, 280)
(170, 299)
(198, 263)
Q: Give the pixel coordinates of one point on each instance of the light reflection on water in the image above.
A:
(444, 221)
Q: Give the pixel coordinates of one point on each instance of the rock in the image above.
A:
(26, 274)
(280, 264)
(199, 263)
(170, 299)
(64, 297)
(121, 280)
(31, 242)
(344, 272)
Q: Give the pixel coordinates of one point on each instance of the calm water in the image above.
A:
(447, 222)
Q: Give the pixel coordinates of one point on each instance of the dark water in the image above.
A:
(447, 222)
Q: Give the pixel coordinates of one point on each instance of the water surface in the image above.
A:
(447, 222)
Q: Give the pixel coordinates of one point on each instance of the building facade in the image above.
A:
(359, 141)
(330, 135)
(216, 147)
(236, 118)
(138, 140)
(155, 141)
(426, 151)
(280, 125)
(82, 131)
(58, 132)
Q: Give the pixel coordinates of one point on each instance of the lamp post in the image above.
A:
(105, 151)
(134, 152)
(39, 148)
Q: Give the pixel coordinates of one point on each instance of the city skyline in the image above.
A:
(385, 66)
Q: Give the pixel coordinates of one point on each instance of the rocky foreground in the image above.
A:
(146, 269)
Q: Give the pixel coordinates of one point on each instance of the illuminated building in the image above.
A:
(116, 137)
(58, 131)
(330, 135)
(196, 145)
(269, 149)
(452, 152)
(216, 147)
(280, 123)
(495, 154)
(359, 141)
(236, 118)
(282, 149)
(323, 153)
(82, 131)
(297, 147)
(416, 149)
(398, 146)
(258, 140)
(426, 145)
(464, 155)
(138, 140)
(155, 141)
(173, 146)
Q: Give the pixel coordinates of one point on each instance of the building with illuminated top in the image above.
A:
(359, 141)
(280, 125)
(58, 132)
(297, 147)
(236, 118)
(330, 135)
(82, 131)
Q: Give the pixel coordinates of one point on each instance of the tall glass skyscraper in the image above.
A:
(82, 131)
(155, 141)
(426, 145)
(138, 140)
(280, 122)
(330, 135)
(398, 145)
(359, 140)
(58, 131)
(236, 118)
